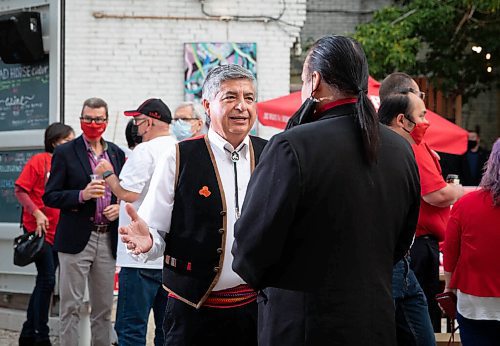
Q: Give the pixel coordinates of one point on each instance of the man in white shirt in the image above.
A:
(195, 199)
(140, 284)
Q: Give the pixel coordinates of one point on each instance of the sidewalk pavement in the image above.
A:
(12, 320)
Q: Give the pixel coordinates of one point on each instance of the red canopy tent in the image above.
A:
(442, 135)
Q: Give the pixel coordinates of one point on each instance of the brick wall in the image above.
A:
(326, 17)
(128, 60)
(337, 17)
(484, 111)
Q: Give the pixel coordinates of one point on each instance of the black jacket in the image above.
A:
(320, 230)
(472, 177)
(70, 173)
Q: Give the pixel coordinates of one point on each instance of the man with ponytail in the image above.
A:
(331, 207)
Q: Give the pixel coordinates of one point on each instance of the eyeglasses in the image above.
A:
(139, 122)
(420, 94)
(185, 119)
(89, 120)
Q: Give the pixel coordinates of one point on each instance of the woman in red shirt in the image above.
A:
(38, 218)
(472, 257)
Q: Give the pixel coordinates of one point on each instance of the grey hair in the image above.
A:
(95, 102)
(198, 110)
(222, 73)
(491, 176)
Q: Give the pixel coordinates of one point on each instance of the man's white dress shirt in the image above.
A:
(158, 204)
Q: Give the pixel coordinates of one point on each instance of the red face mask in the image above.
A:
(418, 132)
(93, 131)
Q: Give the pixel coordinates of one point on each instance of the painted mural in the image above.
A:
(201, 57)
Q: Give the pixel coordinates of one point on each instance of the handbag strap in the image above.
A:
(453, 329)
(21, 218)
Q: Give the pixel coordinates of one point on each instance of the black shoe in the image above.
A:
(26, 341)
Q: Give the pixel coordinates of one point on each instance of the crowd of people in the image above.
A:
(328, 234)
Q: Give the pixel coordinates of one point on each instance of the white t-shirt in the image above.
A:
(478, 308)
(136, 177)
(159, 202)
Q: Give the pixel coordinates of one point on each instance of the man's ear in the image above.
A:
(316, 81)
(206, 105)
(399, 120)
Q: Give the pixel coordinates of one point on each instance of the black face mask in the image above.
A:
(304, 114)
(135, 134)
(471, 144)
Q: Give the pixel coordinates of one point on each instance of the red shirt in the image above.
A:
(471, 250)
(432, 220)
(32, 180)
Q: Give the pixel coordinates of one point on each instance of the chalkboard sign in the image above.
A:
(24, 96)
(11, 165)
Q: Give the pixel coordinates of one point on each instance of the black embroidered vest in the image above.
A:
(195, 244)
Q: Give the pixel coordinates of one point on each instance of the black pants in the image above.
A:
(186, 326)
(425, 264)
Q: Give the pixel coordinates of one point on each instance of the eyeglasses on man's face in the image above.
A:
(139, 121)
(185, 119)
(420, 94)
(87, 120)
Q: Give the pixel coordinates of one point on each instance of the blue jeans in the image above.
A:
(139, 291)
(413, 324)
(36, 325)
(478, 332)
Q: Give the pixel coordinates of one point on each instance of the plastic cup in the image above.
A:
(97, 177)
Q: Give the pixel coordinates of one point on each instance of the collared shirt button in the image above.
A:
(221, 230)
(222, 213)
(91, 219)
(219, 251)
(216, 269)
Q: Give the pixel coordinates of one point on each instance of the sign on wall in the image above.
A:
(201, 57)
(24, 96)
(11, 165)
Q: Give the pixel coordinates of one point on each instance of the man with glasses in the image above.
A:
(86, 235)
(189, 120)
(140, 283)
(396, 91)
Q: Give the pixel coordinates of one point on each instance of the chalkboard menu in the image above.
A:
(24, 96)
(11, 165)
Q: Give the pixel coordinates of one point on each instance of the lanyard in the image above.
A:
(235, 157)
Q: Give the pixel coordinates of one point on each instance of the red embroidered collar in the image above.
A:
(336, 103)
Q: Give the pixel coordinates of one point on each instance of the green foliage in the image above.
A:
(441, 34)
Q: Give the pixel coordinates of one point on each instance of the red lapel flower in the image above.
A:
(204, 191)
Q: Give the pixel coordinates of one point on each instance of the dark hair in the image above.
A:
(55, 132)
(476, 129)
(129, 135)
(342, 64)
(491, 176)
(393, 105)
(95, 102)
(394, 83)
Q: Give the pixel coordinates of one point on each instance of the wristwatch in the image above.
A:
(107, 174)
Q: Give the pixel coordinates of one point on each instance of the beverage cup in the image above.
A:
(97, 177)
(453, 179)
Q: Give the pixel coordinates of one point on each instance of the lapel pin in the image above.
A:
(204, 191)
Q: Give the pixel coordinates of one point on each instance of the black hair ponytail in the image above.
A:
(342, 64)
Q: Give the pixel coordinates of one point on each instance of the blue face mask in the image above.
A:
(182, 129)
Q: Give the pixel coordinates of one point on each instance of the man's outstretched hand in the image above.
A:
(136, 235)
